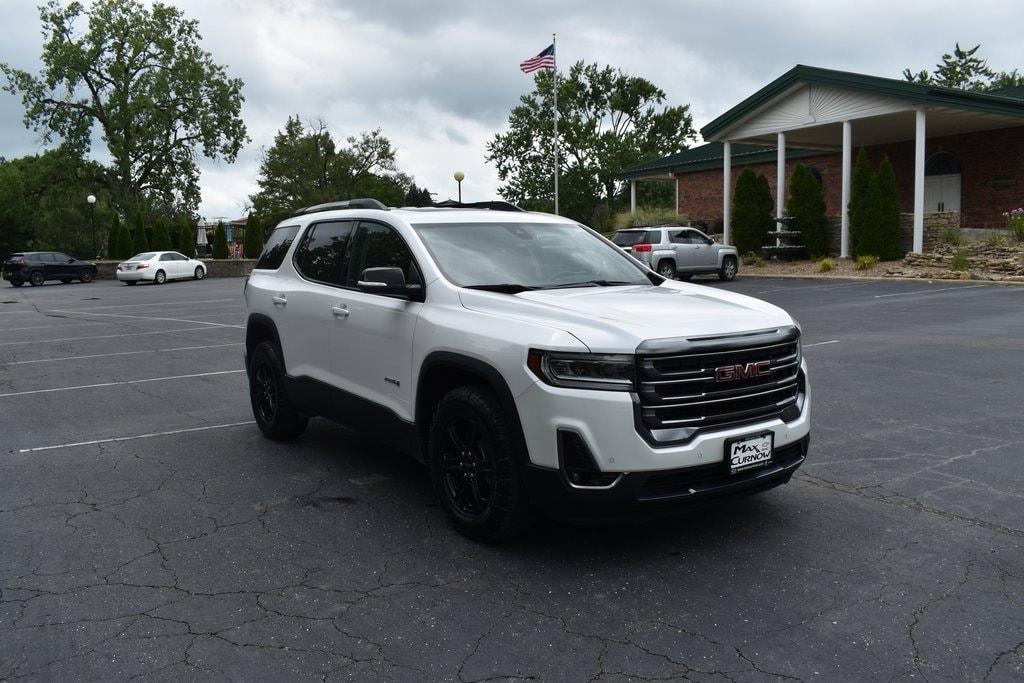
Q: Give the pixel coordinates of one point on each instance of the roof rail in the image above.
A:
(347, 204)
(493, 205)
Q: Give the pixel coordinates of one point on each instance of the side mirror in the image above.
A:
(389, 281)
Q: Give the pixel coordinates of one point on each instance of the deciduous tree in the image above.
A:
(137, 73)
(607, 121)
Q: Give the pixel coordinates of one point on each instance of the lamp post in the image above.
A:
(92, 217)
(459, 177)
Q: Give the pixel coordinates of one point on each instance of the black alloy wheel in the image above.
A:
(36, 278)
(473, 465)
(275, 415)
(86, 275)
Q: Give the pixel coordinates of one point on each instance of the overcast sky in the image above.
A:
(439, 77)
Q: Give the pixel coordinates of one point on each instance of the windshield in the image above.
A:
(516, 256)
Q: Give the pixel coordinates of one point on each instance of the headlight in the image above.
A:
(608, 372)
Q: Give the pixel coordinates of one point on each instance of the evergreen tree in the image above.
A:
(253, 245)
(140, 241)
(186, 241)
(888, 246)
(161, 238)
(750, 219)
(220, 242)
(806, 206)
(113, 253)
(125, 244)
(861, 218)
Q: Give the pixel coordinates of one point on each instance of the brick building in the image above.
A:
(954, 152)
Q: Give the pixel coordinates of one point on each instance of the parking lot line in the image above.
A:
(117, 384)
(123, 353)
(132, 438)
(929, 291)
(145, 317)
(113, 336)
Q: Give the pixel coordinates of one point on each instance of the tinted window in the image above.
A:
(276, 247)
(323, 254)
(46, 257)
(377, 246)
(627, 238)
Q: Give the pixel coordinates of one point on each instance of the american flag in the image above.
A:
(544, 60)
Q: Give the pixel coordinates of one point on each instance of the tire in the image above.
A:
(200, 273)
(667, 269)
(275, 415)
(86, 275)
(159, 278)
(17, 283)
(474, 465)
(36, 278)
(728, 271)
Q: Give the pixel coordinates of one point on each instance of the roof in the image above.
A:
(708, 156)
(810, 105)
(806, 100)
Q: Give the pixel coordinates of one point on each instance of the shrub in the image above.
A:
(806, 206)
(186, 240)
(996, 240)
(220, 242)
(752, 258)
(953, 237)
(887, 228)
(866, 262)
(253, 244)
(140, 241)
(826, 265)
(860, 209)
(161, 238)
(1015, 222)
(751, 212)
(959, 262)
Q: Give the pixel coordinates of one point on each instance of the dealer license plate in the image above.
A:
(749, 452)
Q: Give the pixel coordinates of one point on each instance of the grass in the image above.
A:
(865, 262)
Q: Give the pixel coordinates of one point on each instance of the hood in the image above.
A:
(617, 319)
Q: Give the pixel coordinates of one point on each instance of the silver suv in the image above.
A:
(679, 251)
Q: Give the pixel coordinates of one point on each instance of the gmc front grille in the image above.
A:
(687, 386)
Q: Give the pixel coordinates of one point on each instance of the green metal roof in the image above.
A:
(708, 156)
(918, 93)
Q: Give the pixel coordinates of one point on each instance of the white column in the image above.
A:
(844, 209)
(919, 183)
(780, 182)
(632, 197)
(727, 192)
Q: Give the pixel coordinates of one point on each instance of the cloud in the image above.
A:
(440, 78)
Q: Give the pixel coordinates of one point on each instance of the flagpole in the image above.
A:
(554, 88)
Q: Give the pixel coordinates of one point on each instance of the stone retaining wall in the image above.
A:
(214, 268)
(985, 261)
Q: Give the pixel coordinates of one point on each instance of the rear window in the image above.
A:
(276, 247)
(627, 238)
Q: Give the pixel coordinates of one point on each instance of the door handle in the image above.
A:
(340, 311)
(279, 300)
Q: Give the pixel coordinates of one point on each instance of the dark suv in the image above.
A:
(36, 267)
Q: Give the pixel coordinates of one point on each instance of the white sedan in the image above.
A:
(158, 267)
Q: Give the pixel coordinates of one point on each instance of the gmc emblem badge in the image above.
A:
(732, 373)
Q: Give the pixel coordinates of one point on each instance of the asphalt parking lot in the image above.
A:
(149, 532)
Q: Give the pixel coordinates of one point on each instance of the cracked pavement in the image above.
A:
(149, 532)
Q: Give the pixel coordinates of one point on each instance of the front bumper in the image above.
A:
(650, 495)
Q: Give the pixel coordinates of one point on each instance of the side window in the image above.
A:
(323, 254)
(276, 247)
(376, 246)
(680, 237)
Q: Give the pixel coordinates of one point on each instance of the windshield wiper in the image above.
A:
(505, 288)
(592, 283)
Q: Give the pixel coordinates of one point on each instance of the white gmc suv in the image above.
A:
(529, 362)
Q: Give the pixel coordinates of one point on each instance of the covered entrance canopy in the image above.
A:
(809, 108)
